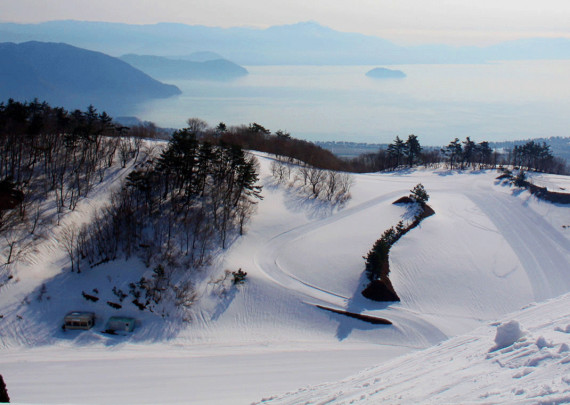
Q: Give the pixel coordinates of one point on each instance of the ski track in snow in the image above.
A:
(267, 257)
(406, 321)
(541, 249)
(529, 369)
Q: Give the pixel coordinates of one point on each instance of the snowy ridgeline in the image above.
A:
(528, 362)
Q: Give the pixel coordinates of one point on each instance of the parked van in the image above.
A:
(79, 320)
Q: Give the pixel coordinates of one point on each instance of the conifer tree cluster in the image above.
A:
(377, 267)
(407, 152)
(533, 156)
(459, 155)
(378, 255)
(179, 208)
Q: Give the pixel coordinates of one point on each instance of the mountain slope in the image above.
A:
(458, 270)
(165, 68)
(65, 75)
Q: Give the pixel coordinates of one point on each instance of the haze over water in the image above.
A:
(496, 101)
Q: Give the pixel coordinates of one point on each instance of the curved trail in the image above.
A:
(267, 257)
(541, 250)
(406, 321)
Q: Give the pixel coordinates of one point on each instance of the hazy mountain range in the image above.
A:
(165, 68)
(302, 43)
(72, 77)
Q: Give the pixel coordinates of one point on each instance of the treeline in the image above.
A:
(176, 209)
(50, 154)
(47, 150)
(256, 137)
(459, 155)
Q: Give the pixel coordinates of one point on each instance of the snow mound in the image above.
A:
(507, 334)
(541, 343)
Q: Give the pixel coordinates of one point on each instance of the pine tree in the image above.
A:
(419, 194)
(397, 150)
(454, 152)
(520, 179)
(4, 398)
(483, 152)
(413, 149)
(468, 152)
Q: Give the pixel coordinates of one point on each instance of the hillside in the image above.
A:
(165, 68)
(488, 251)
(525, 358)
(73, 77)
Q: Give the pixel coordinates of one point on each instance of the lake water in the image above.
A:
(496, 101)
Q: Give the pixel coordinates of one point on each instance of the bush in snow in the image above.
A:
(114, 305)
(239, 277)
(89, 297)
(419, 194)
(520, 179)
(507, 334)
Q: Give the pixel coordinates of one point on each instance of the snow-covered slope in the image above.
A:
(472, 368)
(489, 250)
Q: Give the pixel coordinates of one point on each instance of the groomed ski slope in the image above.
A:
(532, 369)
(489, 250)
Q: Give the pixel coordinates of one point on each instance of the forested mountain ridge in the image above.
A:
(73, 77)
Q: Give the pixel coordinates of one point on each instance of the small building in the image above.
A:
(120, 324)
(79, 320)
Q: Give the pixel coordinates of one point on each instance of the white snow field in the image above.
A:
(489, 251)
(532, 368)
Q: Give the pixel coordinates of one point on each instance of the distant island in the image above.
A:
(166, 68)
(383, 73)
(74, 77)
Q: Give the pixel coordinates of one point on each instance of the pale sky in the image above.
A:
(456, 22)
